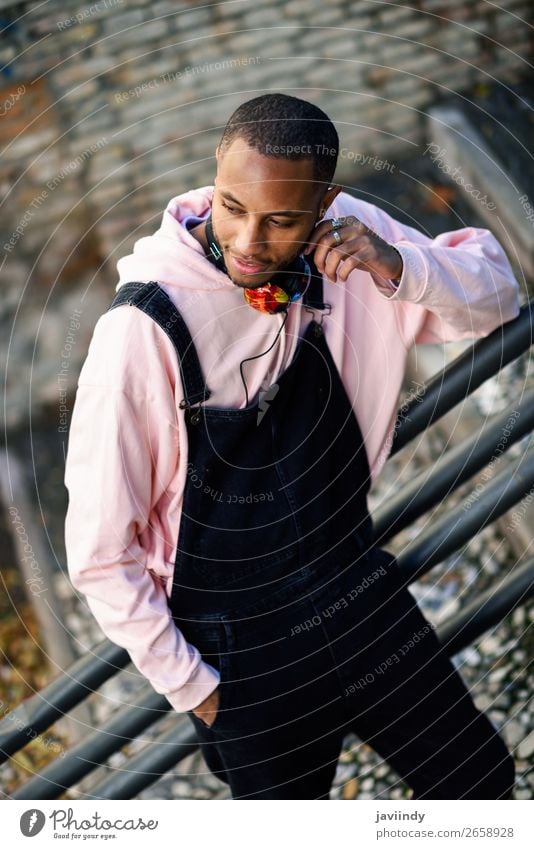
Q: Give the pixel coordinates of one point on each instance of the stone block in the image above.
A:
(30, 144)
(116, 23)
(197, 20)
(268, 16)
(332, 16)
(165, 8)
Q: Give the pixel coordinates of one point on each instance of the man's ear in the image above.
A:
(217, 162)
(329, 197)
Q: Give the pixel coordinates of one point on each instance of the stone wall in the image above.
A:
(111, 108)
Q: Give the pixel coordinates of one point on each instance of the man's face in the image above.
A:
(263, 211)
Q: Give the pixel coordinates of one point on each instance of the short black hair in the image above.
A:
(282, 126)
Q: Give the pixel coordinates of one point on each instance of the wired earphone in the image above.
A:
(274, 297)
(278, 294)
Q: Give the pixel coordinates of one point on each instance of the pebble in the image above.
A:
(62, 586)
(201, 793)
(513, 733)
(523, 794)
(213, 782)
(526, 747)
(397, 793)
(492, 568)
(118, 759)
(343, 773)
(382, 770)
(475, 546)
(498, 717)
(502, 701)
(508, 646)
(350, 790)
(518, 616)
(498, 674)
(490, 645)
(365, 754)
(383, 790)
(470, 656)
(181, 788)
(483, 702)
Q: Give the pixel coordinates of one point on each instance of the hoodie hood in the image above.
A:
(172, 251)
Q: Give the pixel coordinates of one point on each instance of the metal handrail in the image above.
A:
(446, 535)
(149, 765)
(123, 727)
(451, 470)
(487, 609)
(41, 710)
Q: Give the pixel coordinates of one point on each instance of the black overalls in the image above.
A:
(278, 585)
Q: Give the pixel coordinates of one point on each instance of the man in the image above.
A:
(227, 425)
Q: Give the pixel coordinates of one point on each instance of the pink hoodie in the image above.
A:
(127, 453)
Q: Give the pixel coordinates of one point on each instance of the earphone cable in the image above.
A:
(257, 356)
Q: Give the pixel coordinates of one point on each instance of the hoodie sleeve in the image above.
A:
(122, 452)
(459, 285)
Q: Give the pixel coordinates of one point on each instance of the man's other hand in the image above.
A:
(207, 710)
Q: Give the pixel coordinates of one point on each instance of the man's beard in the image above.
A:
(250, 284)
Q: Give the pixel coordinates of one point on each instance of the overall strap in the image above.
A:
(154, 301)
(313, 297)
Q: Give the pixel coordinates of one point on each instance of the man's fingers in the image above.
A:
(335, 254)
(329, 244)
(340, 263)
(325, 228)
(324, 240)
(325, 246)
(351, 244)
(320, 231)
(361, 260)
(330, 253)
(356, 253)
